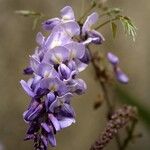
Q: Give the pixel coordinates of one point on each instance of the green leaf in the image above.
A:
(128, 25)
(27, 13)
(114, 29)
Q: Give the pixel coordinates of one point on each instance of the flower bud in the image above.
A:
(121, 76)
(113, 59)
(64, 71)
(35, 113)
(97, 38)
(46, 127)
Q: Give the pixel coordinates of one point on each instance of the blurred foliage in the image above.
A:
(29, 13)
(125, 97)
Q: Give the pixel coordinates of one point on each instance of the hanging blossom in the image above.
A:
(120, 75)
(54, 66)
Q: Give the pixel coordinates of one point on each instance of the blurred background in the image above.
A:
(17, 41)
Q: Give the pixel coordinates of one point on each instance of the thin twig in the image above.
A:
(106, 97)
(106, 22)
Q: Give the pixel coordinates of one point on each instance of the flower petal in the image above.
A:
(70, 28)
(91, 19)
(60, 101)
(34, 63)
(35, 113)
(78, 86)
(55, 122)
(76, 50)
(113, 59)
(57, 55)
(58, 37)
(121, 76)
(47, 71)
(27, 89)
(66, 122)
(64, 71)
(97, 37)
(46, 127)
(80, 65)
(50, 23)
(51, 139)
(44, 140)
(40, 38)
(67, 13)
(67, 111)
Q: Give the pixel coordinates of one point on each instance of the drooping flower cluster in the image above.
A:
(118, 120)
(55, 65)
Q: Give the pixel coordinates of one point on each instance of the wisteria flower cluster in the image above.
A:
(55, 65)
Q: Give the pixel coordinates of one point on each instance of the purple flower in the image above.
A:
(50, 23)
(120, 75)
(28, 71)
(93, 36)
(54, 66)
(113, 59)
(67, 15)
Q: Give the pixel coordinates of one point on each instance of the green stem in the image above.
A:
(106, 22)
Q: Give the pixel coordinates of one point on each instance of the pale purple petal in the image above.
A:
(56, 55)
(44, 140)
(70, 28)
(65, 98)
(72, 65)
(27, 88)
(40, 38)
(64, 71)
(35, 113)
(66, 122)
(51, 139)
(47, 71)
(78, 86)
(49, 99)
(58, 37)
(88, 41)
(121, 76)
(67, 13)
(60, 101)
(54, 84)
(67, 111)
(80, 65)
(91, 20)
(87, 57)
(32, 107)
(55, 122)
(46, 127)
(113, 59)
(34, 63)
(97, 37)
(50, 23)
(76, 50)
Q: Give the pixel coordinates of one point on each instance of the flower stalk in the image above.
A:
(117, 121)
